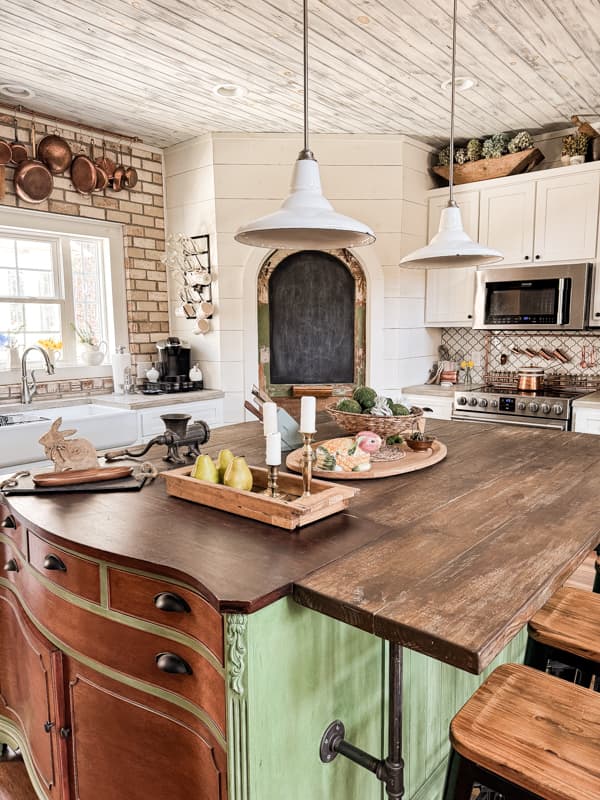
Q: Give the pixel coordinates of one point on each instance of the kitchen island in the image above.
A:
(184, 653)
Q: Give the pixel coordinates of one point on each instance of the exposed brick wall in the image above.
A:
(141, 213)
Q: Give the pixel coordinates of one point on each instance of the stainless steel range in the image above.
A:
(547, 408)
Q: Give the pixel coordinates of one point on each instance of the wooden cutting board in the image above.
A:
(411, 462)
(78, 476)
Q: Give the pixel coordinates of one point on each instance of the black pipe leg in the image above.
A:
(596, 587)
(459, 778)
(537, 655)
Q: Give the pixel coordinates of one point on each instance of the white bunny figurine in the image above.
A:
(73, 454)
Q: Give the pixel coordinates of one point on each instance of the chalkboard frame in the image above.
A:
(268, 267)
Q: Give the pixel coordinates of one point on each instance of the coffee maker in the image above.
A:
(174, 364)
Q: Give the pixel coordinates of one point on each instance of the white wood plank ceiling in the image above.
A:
(148, 67)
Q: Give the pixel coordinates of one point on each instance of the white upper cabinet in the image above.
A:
(566, 217)
(506, 217)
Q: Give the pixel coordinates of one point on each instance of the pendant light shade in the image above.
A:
(451, 246)
(306, 219)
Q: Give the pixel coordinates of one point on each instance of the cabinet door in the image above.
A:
(125, 743)
(506, 215)
(586, 420)
(449, 297)
(566, 218)
(30, 679)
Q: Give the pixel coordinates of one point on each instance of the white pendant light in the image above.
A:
(306, 219)
(451, 246)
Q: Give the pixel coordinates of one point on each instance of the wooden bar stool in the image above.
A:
(526, 735)
(567, 630)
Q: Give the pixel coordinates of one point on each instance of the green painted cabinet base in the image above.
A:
(291, 671)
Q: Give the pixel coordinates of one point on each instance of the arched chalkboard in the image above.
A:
(311, 320)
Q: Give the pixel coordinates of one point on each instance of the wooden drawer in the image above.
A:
(77, 574)
(11, 562)
(128, 650)
(10, 526)
(160, 601)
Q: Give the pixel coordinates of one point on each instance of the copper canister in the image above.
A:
(530, 379)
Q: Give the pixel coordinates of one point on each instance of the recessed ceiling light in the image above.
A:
(230, 91)
(463, 84)
(16, 91)
(363, 19)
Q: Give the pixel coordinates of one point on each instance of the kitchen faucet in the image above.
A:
(28, 389)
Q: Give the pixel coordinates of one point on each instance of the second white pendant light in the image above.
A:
(306, 220)
(451, 246)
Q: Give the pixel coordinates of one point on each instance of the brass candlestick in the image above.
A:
(307, 459)
(272, 488)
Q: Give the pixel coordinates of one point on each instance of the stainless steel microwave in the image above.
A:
(543, 298)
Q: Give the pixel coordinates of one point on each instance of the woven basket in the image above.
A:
(384, 426)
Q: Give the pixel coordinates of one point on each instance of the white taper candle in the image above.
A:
(273, 449)
(308, 412)
(269, 418)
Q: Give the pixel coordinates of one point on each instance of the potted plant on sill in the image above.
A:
(93, 352)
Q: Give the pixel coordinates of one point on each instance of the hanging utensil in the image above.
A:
(55, 152)
(591, 356)
(83, 172)
(561, 356)
(18, 151)
(130, 178)
(105, 163)
(101, 175)
(119, 173)
(33, 180)
(583, 362)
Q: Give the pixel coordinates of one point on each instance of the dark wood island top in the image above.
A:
(450, 561)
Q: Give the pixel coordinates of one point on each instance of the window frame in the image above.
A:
(29, 224)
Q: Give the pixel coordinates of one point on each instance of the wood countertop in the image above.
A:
(450, 561)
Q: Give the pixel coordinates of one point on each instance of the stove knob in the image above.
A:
(558, 409)
(462, 401)
(534, 407)
(483, 402)
(521, 406)
(472, 401)
(494, 403)
(545, 408)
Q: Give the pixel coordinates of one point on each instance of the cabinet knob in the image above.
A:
(48, 726)
(9, 522)
(597, 314)
(11, 565)
(169, 601)
(469, 316)
(171, 662)
(526, 258)
(65, 733)
(537, 258)
(54, 563)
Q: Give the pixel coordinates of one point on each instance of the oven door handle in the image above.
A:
(564, 298)
(512, 422)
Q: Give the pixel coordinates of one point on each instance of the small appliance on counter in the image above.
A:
(173, 367)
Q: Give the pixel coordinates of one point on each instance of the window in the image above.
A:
(54, 281)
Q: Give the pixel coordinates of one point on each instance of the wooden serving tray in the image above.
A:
(289, 511)
(73, 476)
(411, 462)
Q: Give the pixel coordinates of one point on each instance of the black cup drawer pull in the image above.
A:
(171, 662)
(9, 522)
(54, 563)
(169, 601)
(11, 565)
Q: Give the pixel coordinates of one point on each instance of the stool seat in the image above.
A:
(535, 731)
(570, 621)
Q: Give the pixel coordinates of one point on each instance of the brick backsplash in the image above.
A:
(55, 390)
(141, 213)
(487, 348)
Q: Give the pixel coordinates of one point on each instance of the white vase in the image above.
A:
(577, 160)
(93, 354)
(565, 160)
(15, 358)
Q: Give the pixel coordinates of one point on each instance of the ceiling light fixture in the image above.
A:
(462, 84)
(16, 91)
(230, 91)
(451, 246)
(306, 219)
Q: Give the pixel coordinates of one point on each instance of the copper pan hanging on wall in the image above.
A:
(105, 163)
(119, 173)
(83, 173)
(56, 153)
(33, 180)
(5, 153)
(18, 151)
(101, 174)
(130, 178)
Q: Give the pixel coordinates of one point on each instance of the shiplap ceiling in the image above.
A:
(147, 67)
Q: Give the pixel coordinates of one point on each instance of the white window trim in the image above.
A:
(39, 223)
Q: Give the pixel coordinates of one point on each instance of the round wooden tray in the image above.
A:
(411, 462)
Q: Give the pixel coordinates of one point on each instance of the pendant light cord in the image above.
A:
(305, 153)
(451, 201)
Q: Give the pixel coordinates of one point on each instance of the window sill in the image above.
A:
(61, 372)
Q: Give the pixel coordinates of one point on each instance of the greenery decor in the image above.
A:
(495, 146)
(85, 334)
(522, 141)
(580, 144)
(443, 156)
(460, 155)
(473, 150)
(568, 145)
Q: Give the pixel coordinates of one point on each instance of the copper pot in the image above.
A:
(33, 180)
(130, 178)
(101, 174)
(119, 173)
(56, 153)
(18, 151)
(106, 164)
(5, 152)
(530, 379)
(83, 173)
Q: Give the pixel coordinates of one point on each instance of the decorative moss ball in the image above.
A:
(365, 396)
(495, 146)
(350, 406)
(395, 439)
(398, 410)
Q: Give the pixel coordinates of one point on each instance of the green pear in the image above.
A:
(224, 459)
(205, 470)
(238, 474)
